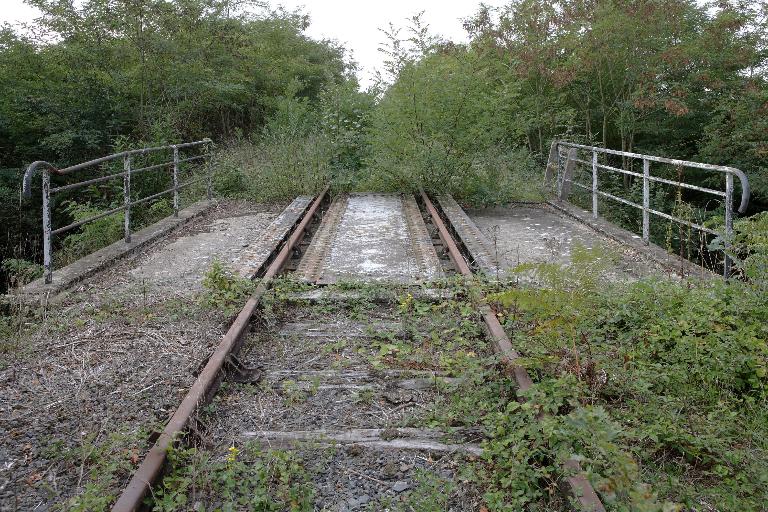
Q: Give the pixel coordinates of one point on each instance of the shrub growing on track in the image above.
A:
(225, 291)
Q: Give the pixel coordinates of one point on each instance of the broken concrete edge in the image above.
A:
(67, 277)
(673, 263)
(255, 258)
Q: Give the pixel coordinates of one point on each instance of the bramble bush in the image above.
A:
(678, 370)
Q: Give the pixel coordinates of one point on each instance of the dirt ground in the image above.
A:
(99, 372)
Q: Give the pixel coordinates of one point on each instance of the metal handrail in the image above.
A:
(745, 190)
(127, 156)
(562, 165)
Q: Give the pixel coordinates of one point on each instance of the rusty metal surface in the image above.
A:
(732, 171)
(206, 383)
(421, 242)
(311, 265)
(574, 480)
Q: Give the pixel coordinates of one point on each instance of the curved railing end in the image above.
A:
(30, 173)
(745, 190)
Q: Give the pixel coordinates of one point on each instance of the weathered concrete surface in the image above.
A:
(242, 242)
(182, 264)
(68, 276)
(531, 233)
(174, 261)
(249, 261)
(373, 237)
(671, 262)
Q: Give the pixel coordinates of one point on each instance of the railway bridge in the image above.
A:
(338, 366)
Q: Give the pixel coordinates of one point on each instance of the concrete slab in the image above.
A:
(481, 251)
(538, 233)
(242, 241)
(65, 278)
(163, 261)
(531, 234)
(248, 263)
(182, 264)
(371, 237)
(671, 262)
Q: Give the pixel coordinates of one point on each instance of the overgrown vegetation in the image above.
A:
(674, 78)
(225, 291)
(246, 479)
(671, 78)
(95, 77)
(102, 460)
(524, 451)
(659, 388)
(670, 378)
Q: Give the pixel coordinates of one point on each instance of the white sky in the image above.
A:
(354, 23)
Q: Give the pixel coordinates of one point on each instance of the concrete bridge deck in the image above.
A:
(363, 237)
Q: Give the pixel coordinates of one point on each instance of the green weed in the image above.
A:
(246, 479)
(669, 377)
(364, 396)
(431, 493)
(21, 272)
(293, 392)
(225, 291)
(105, 463)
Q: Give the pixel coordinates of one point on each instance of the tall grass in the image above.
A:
(276, 168)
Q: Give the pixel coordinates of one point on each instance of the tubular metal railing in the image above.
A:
(128, 171)
(565, 156)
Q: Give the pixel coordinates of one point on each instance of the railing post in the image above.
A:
(47, 247)
(560, 171)
(175, 181)
(570, 166)
(646, 201)
(127, 196)
(594, 184)
(728, 223)
(553, 165)
(209, 171)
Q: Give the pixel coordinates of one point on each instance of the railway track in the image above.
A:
(336, 388)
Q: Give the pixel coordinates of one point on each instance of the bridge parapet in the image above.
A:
(568, 161)
(202, 147)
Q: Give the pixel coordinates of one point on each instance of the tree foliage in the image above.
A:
(446, 122)
(674, 78)
(93, 77)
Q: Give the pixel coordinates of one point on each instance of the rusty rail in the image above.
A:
(207, 382)
(128, 171)
(575, 482)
